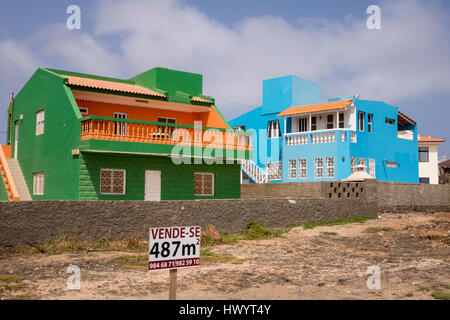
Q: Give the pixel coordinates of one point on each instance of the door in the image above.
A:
(120, 128)
(152, 185)
(16, 139)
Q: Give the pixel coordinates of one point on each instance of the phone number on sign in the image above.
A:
(173, 264)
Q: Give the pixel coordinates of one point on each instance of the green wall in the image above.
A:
(177, 181)
(3, 193)
(51, 152)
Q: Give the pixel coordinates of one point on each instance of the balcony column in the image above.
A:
(309, 122)
(337, 119)
(285, 125)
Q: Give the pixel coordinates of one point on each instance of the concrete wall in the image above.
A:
(24, 223)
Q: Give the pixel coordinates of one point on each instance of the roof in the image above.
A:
(403, 119)
(430, 139)
(111, 86)
(199, 99)
(327, 106)
(444, 164)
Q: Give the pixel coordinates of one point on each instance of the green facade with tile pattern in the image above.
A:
(177, 181)
(3, 193)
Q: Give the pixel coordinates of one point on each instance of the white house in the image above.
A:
(428, 159)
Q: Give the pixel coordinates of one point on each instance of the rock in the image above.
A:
(211, 231)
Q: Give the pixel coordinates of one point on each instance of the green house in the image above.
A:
(74, 136)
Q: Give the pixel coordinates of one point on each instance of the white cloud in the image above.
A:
(408, 57)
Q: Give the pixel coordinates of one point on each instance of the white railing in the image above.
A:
(296, 140)
(256, 173)
(324, 137)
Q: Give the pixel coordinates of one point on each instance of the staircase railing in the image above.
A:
(10, 186)
(256, 173)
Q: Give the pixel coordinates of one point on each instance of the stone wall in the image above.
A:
(24, 223)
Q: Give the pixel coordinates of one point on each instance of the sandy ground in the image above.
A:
(411, 250)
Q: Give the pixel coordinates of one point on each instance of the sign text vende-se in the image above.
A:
(174, 247)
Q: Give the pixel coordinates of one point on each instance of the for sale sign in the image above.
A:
(174, 247)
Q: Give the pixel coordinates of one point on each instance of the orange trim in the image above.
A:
(110, 85)
(327, 106)
(7, 151)
(160, 134)
(7, 177)
(430, 139)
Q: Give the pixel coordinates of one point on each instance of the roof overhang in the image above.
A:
(403, 119)
(137, 102)
(316, 108)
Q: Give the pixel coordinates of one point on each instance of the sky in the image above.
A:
(238, 44)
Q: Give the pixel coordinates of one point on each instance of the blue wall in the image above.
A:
(382, 144)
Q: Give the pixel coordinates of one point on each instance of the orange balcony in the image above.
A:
(156, 133)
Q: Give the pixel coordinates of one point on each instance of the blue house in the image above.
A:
(299, 137)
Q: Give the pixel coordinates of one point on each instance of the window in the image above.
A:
(423, 154)
(319, 167)
(341, 120)
(84, 110)
(424, 180)
(369, 122)
(302, 124)
(363, 161)
(372, 168)
(40, 119)
(38, 183)
(274, 170)
(292, 169)
(302, 168)
(203, 184)
(353, 137)
(313, 123)
(112, 181)
(361, 116)
(390, 121)
(391, 164)
(239, 128)
(343, 136)
(274, 129)
(330, 121)
(330, 167)
(353, 164)
(120, 128)
(167, 120)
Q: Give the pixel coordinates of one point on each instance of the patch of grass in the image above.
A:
(409, 295)
(132, 267)
(66, 244)
(10, 279)
(376, 230)
(314, 224)
(229, 238)
(206, 255)
(256, 231)
(132, 258)
(441, 295)
(424, 289)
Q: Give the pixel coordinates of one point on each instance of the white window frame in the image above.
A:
(40, 122)
(303, 124)
(330, 172)
(274, 130)
(328, 122)
(353, 163)
(318, 167)
(112, 185)
(341, 123)
(38, 183)
(203, 194)
(369, 122)
(292, 168)
(390, 121)
(120, 128)
(302, 168)
(274, 170)
(372, 168)
(361, 120)
(391, 164)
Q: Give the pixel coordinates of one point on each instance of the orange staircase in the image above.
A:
(11, 189)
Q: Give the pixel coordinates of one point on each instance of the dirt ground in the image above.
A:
(411, 250)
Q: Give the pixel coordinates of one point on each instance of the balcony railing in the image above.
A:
(101, 128)
(326, 136)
